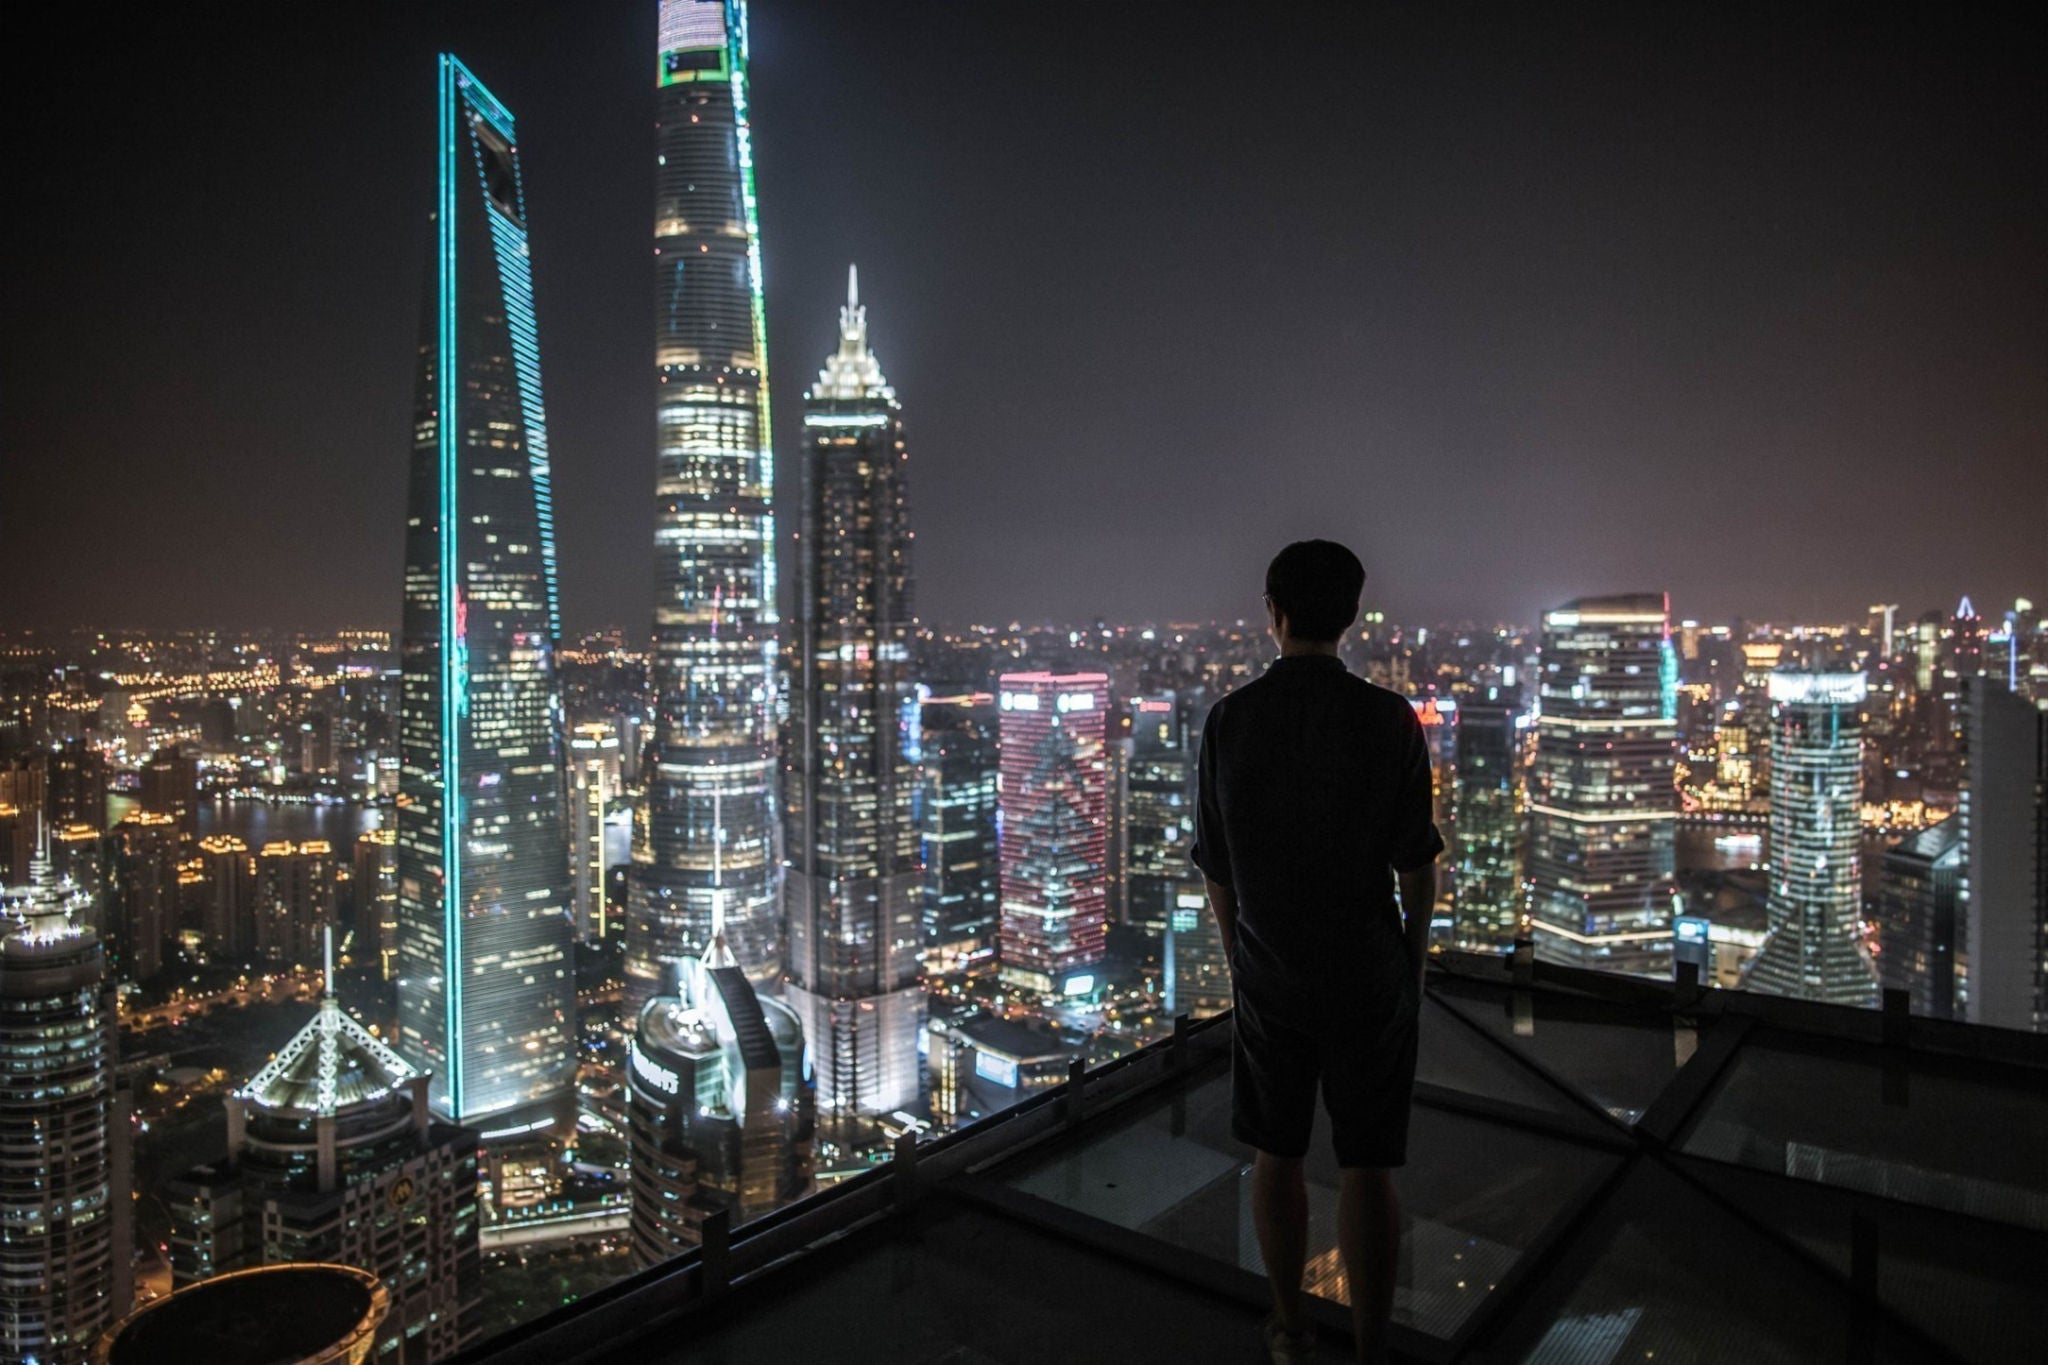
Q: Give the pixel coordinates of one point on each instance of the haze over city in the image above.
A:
(1746, 304)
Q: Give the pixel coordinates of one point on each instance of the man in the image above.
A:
(1314, 803)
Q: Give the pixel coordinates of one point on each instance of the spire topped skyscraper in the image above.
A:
(706, 854)
(855, 879)
(485, 994)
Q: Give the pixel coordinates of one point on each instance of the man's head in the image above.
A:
(1312, 590)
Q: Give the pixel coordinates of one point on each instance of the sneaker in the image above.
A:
(1289, 1348)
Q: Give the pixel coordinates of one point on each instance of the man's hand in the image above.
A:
(1418, 903)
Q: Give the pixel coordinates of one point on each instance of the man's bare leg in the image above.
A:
(1280, 1216)
(1369, 1240)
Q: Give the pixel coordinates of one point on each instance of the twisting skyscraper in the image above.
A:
(855, 883)
(485, 999)
(706, 848)
(1815, 949)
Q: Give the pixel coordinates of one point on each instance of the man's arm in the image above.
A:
(1223, 904)
(1418, 902)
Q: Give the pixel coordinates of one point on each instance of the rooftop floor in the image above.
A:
(1600, 1170)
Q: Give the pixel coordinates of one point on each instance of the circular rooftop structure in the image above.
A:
(296, 1314)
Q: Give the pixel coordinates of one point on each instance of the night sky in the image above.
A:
(1746, 303)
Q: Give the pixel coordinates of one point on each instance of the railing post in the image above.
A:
(1177, 1052)
(1522, 962)
(1898, 1017)
(904, 1169)
(1077, 1081)
(714, 1256)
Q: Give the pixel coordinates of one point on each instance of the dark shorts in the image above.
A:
(1363, 1058)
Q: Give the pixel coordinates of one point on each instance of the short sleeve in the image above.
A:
(1211, 850)
(1415, 842)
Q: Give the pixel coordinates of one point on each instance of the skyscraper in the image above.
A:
(170, 786)
(295, 900)
(485, 1003)
(64, 1207)
(720, 1107)
(1439, 717)
(332, 1157)
(1486, 912)
(1815, 947)
(1916, 918)
(142, 894)
(854, 884)
(593, 783)
(1159, 801)
(2002, 821)
(706, 855)
(1054, 825)
(229, 914)
(957, 814)
(1603, 807)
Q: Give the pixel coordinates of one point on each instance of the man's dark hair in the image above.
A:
(1315, 584)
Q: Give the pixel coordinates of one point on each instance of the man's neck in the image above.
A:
(1295, 649)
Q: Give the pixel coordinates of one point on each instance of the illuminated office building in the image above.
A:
(485, 1002)
(957, 816)
(854, 886)
(333, 1157)
(594, 783)
(228, 915)
(1486, 910)
(1602, 802)
(2002, 823)
(1158, 795)
(1917, 887)
(720, 1107)
(1197, 975)
(65, 1234)
(706, 844)
(1054, 825)
(1815, 948)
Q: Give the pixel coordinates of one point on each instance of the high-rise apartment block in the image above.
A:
(228, 912)
(142, 892)
(1815, 949)
(1054, 830)
(707, 856)
(853, 898)
(295, 894)
(485, 997)
(1603, 807)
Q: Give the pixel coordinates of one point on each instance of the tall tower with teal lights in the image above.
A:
(486, 1000)
(707, 857)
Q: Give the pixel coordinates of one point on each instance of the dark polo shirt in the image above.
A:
(1315, 790)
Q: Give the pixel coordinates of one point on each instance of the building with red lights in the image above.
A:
(1053, 821)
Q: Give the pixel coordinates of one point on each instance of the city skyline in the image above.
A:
(1581, 358)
